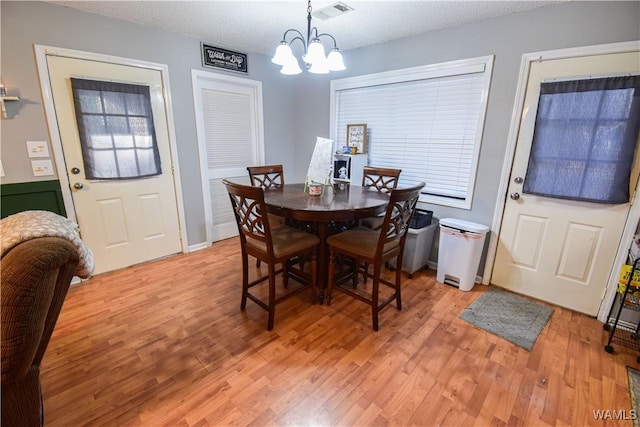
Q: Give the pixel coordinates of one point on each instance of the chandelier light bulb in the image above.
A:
(291, 67)
(283, 53)
(319, 67)
(334, 60)
(315, 53)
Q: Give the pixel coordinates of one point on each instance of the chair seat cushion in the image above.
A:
(286, 241)
(361, 241)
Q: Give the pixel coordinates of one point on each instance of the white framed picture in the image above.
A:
(357, 137)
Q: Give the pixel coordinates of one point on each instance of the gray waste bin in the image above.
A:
(417, 248)
(459, 252)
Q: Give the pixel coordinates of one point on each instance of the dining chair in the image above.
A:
(272, 246)
(375, 247)
(269, 177)
(384, 180)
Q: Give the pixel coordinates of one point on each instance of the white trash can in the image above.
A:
(459, 252)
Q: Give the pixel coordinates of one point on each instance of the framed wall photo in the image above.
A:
(357, 137)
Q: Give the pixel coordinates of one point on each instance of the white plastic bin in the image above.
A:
(459, 252)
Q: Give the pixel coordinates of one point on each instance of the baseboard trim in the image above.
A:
(199, 246)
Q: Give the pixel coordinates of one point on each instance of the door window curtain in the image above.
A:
(115, 125)
(584, 140)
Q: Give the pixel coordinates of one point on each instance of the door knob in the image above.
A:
(518, 180)
(75, 171)
(78, 186)
(514, 196)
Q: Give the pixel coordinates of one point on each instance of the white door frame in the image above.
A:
(41, 53)
(634, 211)
(256, 87)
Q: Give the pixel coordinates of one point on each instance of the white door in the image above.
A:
(230, 138)
(125, 221)
(556, 250)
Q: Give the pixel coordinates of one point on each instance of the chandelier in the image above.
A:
(314, 56)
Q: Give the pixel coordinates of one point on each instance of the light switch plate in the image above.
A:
(42, 167)
(37, 149)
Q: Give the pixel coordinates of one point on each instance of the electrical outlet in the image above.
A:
(42, 167)
(37, 149)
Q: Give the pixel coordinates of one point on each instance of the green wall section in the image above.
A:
(40, 195)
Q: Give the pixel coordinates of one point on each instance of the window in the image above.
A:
(427, 121)
(115, 124)
(585, 139)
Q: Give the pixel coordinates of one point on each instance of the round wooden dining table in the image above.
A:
(327, 213)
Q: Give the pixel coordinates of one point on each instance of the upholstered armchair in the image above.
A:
(37, 266)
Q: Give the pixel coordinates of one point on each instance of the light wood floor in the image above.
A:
(165, 343)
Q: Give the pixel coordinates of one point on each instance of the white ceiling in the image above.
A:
(258, 26)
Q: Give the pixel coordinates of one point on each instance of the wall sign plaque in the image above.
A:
(222, 58)
(357, 138)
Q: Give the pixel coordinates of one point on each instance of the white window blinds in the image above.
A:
(429, 125)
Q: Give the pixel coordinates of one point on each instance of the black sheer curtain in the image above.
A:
(585, 139)
(117, 134)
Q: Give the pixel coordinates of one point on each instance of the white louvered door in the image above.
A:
(229, 122)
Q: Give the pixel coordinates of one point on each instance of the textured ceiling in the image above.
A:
(257, 26)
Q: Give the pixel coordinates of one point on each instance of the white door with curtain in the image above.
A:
(128, 220)
(230, 138)
(556, 250)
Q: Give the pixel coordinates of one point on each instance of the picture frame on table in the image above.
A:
(357, 137)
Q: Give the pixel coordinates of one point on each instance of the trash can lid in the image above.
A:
(461, 224)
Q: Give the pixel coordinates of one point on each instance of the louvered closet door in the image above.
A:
(228, 116)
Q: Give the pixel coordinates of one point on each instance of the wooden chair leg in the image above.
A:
(365, 273)
(398, 282)
(272, 296)
(301, 260)
(356, 269)
(314, 274)
(285, 274)
(245, 281)
(374, 296)
(330, 279)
